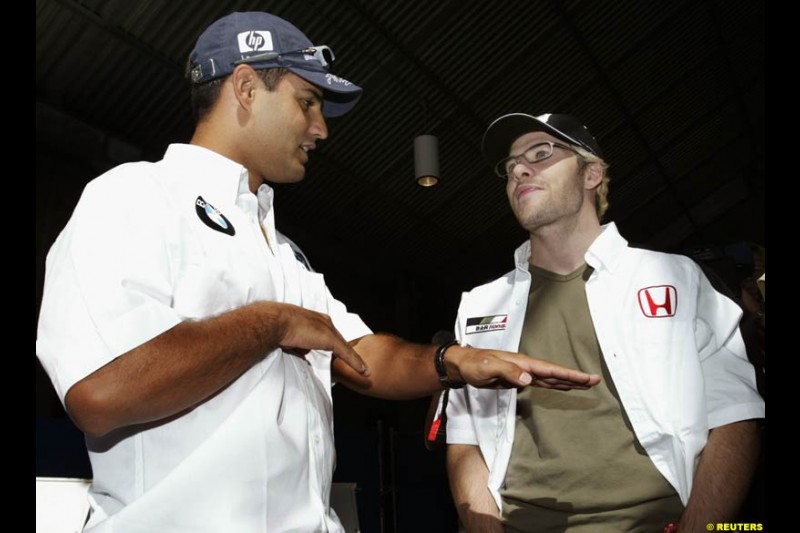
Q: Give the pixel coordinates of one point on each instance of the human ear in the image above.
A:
(244, 81)
(592, 176)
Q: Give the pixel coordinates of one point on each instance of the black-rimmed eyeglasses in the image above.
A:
(532, 155)
(322, 54)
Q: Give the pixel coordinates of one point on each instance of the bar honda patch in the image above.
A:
(484, 324)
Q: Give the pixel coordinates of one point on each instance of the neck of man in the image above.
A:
(213, 135)
(217, 138)
(560, 247)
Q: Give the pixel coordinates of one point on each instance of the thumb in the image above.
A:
(510, 373)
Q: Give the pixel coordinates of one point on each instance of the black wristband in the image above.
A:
(438, 361)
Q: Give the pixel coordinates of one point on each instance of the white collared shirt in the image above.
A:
(670, 341)
(148, 246)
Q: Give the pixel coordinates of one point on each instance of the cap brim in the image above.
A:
(502, 133)
(340, 95)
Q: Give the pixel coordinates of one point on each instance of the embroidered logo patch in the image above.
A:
(332, 78)
(483, 324)
(658, 301)
(254, 41)
(212, 218)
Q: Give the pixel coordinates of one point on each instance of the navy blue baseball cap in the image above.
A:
(262, 40)
(502, 133)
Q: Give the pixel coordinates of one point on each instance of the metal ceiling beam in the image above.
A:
(96, 20)
(380, 29)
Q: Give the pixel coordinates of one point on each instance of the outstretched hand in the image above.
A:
(500, 369)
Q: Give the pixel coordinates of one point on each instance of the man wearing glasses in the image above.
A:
(669, 437)
(189, 339)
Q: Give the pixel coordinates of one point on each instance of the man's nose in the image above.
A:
(318, 128)
(521, 170)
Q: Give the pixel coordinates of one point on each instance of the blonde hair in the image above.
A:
(587, 158)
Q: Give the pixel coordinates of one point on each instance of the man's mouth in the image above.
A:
(524, 190)
(305, 149)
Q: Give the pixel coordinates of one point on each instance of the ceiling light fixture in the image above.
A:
(426, 160)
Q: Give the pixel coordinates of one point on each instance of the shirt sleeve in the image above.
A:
(730, 387)
(318, 297)
(108, 281)
(349, 324)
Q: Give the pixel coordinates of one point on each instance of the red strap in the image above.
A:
(434, 429)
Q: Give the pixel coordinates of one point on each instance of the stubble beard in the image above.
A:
(567, 203)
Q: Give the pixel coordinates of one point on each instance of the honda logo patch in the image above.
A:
(658, 301)
(484, 324)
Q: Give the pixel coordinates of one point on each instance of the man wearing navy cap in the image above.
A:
(190, 340)
(669, 438)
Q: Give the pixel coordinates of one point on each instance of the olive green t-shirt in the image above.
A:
(576, 464)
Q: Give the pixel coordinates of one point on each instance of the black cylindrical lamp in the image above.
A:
(426, 160)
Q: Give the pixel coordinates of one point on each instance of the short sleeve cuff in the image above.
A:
(736, 413)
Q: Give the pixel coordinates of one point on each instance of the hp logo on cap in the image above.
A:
(254, 41)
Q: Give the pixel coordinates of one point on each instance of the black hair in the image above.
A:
(205, 95)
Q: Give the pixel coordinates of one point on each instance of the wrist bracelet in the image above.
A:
(438, 361)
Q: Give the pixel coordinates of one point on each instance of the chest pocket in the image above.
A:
(493, 330)
(213, 277)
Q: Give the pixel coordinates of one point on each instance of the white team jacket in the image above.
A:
(670, 341)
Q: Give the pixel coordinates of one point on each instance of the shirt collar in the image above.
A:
(607, 248)
(221, 179)
(604, 252)
(522, 255)
(265, 197)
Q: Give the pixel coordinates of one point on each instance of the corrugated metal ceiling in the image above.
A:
(672, 90)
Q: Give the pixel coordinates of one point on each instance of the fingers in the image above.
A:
(498, 369)
(309, 330)
(551, 375)
(550, 383)
(509, 374)
(347, 354)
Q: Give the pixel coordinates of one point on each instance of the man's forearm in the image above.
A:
(190, 362)
(403, 370)
(723, 475)
(469, 485)
(399, 370)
